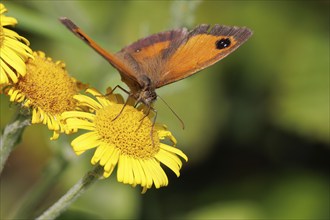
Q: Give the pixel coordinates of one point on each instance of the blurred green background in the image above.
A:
(257, 122)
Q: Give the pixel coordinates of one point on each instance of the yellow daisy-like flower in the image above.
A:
(14, 50)
(48, 90)
(124, 141)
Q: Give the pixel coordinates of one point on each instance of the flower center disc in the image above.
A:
(127, 132)
(48, 85)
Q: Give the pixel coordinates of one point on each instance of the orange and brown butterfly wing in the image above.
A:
(174, 55)
(169, 56)
(125, 69)
(199, 49)
(145, 55)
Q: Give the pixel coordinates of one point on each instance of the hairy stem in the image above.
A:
(11, 137)
(65, 201)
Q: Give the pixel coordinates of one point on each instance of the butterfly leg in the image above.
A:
(122, 109)
(117, 86)
(150, 108)
(147, 113)
(112, 90)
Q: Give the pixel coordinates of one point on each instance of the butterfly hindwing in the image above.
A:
(145, 55)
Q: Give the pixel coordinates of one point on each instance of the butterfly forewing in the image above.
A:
(201, 48)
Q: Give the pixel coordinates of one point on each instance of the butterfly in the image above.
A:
(167, 57)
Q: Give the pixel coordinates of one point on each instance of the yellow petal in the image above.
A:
(174, 150)
(169, 162)
(121, 169)
(80, 124)
(78, 114)
(85, 141)
(13, 60)
(88, 101)
(137, 172)
(98, 153)
(106, 155)
(148, 174)
(9, 71)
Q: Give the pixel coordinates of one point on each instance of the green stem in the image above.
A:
(65, 201)
(11, 137)
(54, 169)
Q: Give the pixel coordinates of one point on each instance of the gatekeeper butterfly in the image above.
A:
(169, 56)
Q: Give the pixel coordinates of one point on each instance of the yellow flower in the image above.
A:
(124, 141)
(48, 90)
(14, 50)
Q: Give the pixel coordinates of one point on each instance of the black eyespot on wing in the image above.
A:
(222, 43)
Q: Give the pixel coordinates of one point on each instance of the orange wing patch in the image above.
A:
(199, 52)
(151, 51)
(202, 47)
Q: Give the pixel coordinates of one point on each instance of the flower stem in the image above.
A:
(65, 201)
(11, 137)
(29, 202)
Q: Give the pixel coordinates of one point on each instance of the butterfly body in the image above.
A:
(169, 56)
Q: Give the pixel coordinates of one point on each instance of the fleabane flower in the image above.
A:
(48, 90)
(121, 139)
(14, 50)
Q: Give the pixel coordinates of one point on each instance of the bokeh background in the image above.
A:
(257, 122)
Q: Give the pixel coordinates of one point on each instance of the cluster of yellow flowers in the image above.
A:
(57, 100)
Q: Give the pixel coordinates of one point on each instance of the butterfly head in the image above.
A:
(147, 94)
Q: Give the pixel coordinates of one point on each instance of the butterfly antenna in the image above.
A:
(176, 115)
(152, 127)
